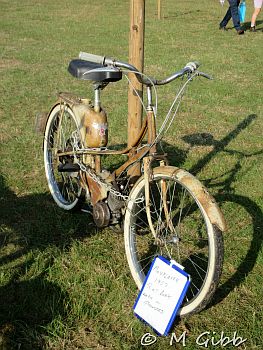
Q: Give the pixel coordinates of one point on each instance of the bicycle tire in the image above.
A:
(65, 186)
(191, 228)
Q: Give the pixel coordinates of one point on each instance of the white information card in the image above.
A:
(161, 295)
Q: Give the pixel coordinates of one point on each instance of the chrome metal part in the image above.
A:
(101, 214)
(97, 100)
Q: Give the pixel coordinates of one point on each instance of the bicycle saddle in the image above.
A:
(86, 70)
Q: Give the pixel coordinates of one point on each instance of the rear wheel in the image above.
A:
(62, 171)
(185, 234)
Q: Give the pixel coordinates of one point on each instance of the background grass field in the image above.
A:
(63, 283)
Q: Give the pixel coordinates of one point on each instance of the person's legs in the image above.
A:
(231, 12)
(234, 13)
(254, 16)
(226, 19)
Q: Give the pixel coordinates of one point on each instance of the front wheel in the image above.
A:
(184, 230)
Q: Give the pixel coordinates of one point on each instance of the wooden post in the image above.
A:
(136, 58)
(159, 9)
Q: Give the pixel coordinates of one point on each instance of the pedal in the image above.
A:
(68, 167)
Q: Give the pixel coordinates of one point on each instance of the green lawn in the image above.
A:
(63, 283)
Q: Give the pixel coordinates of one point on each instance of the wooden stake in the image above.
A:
(136, 58)
(159, 9)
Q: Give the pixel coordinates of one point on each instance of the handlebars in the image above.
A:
(189, 68)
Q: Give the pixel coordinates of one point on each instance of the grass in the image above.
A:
(63, 283)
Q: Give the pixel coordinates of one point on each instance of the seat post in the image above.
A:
(149, 98)
(151, 120)
(97, 104)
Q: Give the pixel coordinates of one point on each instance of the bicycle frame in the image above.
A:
(136, 151)
(148, 126)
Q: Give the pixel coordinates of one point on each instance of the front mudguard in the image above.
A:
(199, 191)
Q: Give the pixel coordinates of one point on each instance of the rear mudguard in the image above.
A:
(92, 124)
(73, 102)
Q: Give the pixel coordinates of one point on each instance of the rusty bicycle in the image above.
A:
(165, 211)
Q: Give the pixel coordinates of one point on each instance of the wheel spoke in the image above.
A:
(181, 226)
(65, 186)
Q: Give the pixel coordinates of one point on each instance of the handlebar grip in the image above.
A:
(92, 58)
(207, 76)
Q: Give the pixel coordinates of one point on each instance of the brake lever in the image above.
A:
(205, 75)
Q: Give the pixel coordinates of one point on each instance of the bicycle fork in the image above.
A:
(147, 166)
(163, 205)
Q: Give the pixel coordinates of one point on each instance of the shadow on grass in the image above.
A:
(250, 259)
(29, 301)
(27, 307)
(246, 25)
(226, 194)
(181, 14)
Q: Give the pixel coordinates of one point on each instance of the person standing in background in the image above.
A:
(232, 12)
(257, 6)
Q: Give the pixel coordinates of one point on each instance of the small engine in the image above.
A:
(93, 124)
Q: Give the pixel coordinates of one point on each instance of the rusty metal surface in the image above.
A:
(195, 186)
(93, 125)
(41, 121)
(69, 98)
(141, 134)
(131, 160)
(147, 177)
(97, 192)
(94, 137)
(151, 129)
(98, 164)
